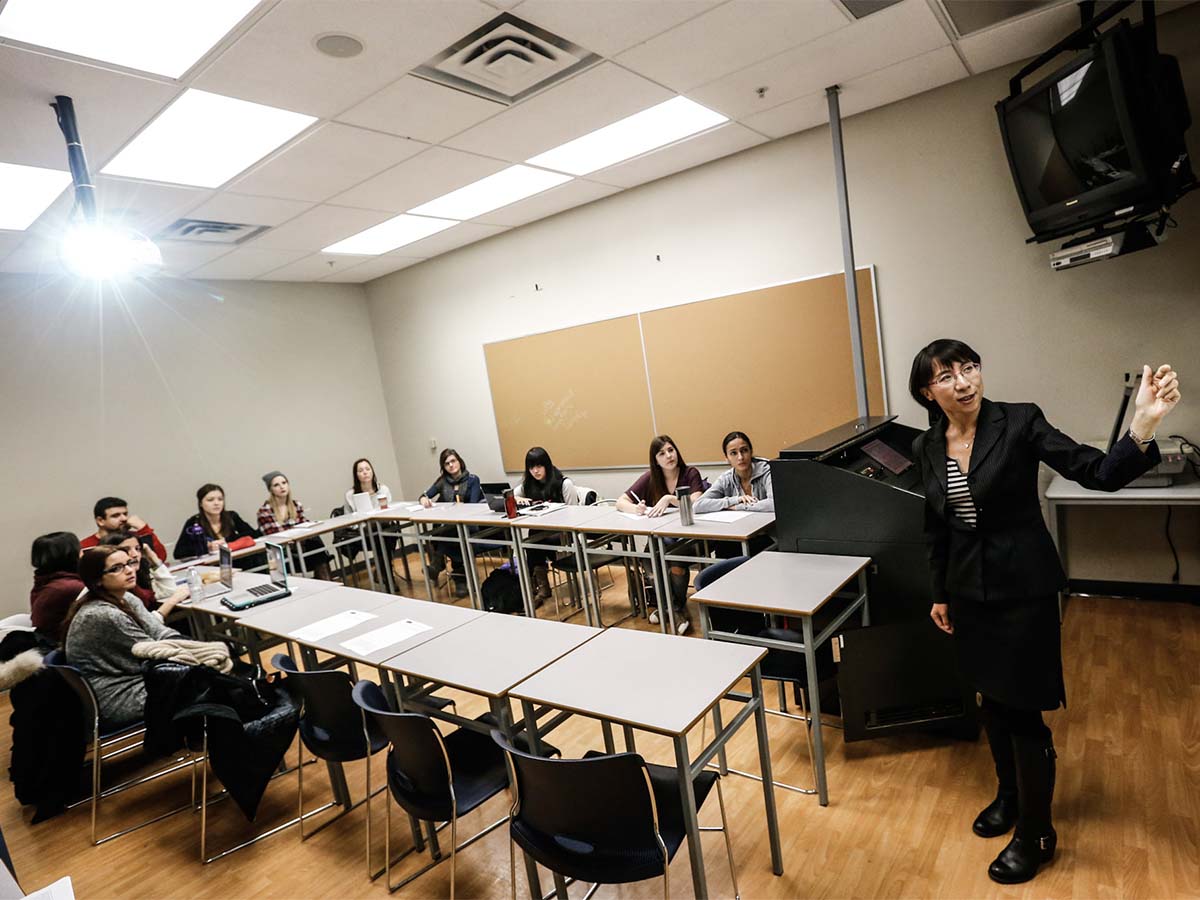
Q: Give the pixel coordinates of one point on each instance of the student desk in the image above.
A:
(596, 534)
(1063, 493)
(211, 559)
(359, 521)
(662, 684)
(568, 520)
(795, 585)
(707, 527)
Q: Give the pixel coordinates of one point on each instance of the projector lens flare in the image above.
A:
(103, 252)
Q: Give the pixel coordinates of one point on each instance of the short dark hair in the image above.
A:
(104, 504)
(57, 551)
(733, 436)
(944, 352)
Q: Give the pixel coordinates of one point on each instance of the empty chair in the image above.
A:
(605, 819)
(733, 620)
(433, 778)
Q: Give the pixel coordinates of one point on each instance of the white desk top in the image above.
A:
(300, 588)
(570, 518)
(750, 524)
(314, 528)
(491, 653)
(612, 521)
(283, 618)
(453, 514)
(212, 559)
(1066, 491)
(794, 584)
(656, 682)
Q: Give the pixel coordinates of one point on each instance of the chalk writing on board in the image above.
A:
(562, 415)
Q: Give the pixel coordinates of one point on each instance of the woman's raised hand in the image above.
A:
(1157, 395)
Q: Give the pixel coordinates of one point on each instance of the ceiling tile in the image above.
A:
(318, 228)
(787, 118)
(729, 38)
(330, 159)
(36, 254)
(247, 210)
(459, 236)
(376, 267)
(590, 100)
(181, 257)
(109, 107)
(312, 268)
(1020, 38)
(574, 193)
(609, 26)
(428, 175)
(9, 241)
(144, 206)
(906, 79)
(246, 262)
(276, 63)
(416, 108)
(728, 138)
(880, 40)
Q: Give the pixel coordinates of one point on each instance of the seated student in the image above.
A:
(101, 629)
(154, 581)
(113, 517)
(652, 495)
(56, 584)
(280, 512)
(364, 482)
(214, 525)
(543, 481)
(454, 485)
(745, 486)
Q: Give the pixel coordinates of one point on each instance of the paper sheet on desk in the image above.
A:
(366, 644)
(417, 508)
(322, 628)
(724, 516)
(60, 890)
(644, 516)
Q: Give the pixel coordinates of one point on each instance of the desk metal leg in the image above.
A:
(630, 744)
(810, 662)
(363, 530)
(501, 711)
(589, 591)
(764, 761)
(610, 746)
(691, 821)
(523, 576)
(389, 576)
(425, 564)
(722, 759)
(668, 595)
(469, 573)
(866, 607)
(662, 585)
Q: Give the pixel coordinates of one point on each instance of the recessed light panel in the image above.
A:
(395, 232)
(505, 187)
(205, 139)
(670, 121)
(160, 36)
(26, 192)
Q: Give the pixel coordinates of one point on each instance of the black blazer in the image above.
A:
(1009, 556)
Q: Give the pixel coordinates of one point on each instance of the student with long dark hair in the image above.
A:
(543, 482)
(101, 629)
(455, 484)
(746, 485)
(154, 581)
(214, 525)
(364, 481)
(653, 494)
(56, 583)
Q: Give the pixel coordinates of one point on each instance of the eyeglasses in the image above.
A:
(120, 567)
(968, 371)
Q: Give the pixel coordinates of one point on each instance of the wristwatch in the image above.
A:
(1142, 441)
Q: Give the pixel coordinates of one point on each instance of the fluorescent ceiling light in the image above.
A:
(640, 133)
(505, 187)
(26, 191)
(205, 139)
(395, 232)
(159, 36)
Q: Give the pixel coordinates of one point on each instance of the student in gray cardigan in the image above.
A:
(102, 628)
(746, 486)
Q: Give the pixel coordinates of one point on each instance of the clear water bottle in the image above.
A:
(195, 584)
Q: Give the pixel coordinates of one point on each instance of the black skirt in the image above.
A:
(1012, 653)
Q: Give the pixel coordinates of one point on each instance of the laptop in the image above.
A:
(225, 585)
(264, 593)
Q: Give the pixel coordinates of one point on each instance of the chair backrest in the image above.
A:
(329, 714)
(418, 766)
(580, 805)
(587, 495)
(337, 511)
(56, 661)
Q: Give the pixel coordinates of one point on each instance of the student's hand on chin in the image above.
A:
(135, 522)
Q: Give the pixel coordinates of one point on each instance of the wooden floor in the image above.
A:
(1127, 808)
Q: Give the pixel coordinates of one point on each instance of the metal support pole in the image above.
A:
(839, 170)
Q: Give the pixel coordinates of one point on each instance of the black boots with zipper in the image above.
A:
(999, 816)
(1034, 841)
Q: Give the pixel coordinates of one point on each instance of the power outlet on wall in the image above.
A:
(432, 444)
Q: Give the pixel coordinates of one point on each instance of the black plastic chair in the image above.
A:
(432, 778)
(102, 740)
(605, 819)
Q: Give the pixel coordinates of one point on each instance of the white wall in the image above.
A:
(148, 393)
(933, 207)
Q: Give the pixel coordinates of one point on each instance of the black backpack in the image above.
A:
(501, 591)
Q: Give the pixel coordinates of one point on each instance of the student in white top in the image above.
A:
(365, 482)
(543, 482)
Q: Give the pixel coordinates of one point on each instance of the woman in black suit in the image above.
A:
(996, 573)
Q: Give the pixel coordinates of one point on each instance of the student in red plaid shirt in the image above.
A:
(280, 512)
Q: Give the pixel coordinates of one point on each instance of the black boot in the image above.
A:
(999, 816)
(1034, 841)
(437, 565)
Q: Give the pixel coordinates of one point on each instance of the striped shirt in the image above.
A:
(958, 493)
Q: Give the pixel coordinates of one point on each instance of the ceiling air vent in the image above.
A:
(206, 231)
(506, 60)
(860, 9)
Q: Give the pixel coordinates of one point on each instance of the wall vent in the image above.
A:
(506, 60)
(207, 231)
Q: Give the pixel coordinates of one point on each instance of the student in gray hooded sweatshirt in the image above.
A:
(746, 486)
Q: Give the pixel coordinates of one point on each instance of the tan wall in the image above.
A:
(933, 208)
(148, 395)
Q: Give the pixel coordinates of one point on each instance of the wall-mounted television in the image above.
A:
(1101, 138)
